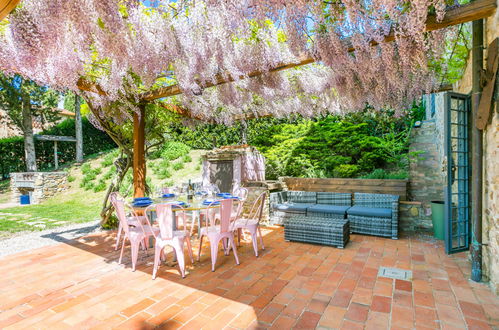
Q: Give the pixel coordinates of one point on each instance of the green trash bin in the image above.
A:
(437, 218)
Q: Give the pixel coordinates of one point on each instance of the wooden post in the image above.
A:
(78, 131)
(56, 158)
(139, 161)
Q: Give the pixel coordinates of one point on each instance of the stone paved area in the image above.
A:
(79, 284)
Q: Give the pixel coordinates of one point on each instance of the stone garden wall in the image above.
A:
(39, 185)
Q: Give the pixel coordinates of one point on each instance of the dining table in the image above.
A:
(194, 205)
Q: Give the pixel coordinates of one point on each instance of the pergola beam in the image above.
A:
(6, 6)
(475, 10)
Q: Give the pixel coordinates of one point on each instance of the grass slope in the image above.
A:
(81, 203)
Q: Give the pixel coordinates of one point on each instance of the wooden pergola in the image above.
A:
(475, 10)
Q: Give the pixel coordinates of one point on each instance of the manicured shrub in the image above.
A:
(101, 186)
(178, 166)
(71, 178)
(173, 150)
(164, 173)
(12, 149)
(86, 168)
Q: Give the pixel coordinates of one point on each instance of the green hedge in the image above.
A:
(12, 149)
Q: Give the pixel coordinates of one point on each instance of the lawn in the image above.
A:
(79, 204)
(56, 212)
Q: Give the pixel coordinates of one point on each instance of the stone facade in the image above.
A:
(426, 174)
(490, 210)
(413, 217)
(39, 185)
(255, 188)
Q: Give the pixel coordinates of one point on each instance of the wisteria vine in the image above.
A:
(127, 48)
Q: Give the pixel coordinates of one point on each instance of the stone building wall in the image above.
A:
(426, 175)
(490, 210)
(39, 185)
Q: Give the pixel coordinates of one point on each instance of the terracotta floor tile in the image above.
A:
(140, 306)
(270, 313)
(438, 284)
(402, 317)
(472, 310)
(357, 312)
(377, 320)
(317, 305)
(283, 323)
(382, 288)
(350, 325)
(362, 296)
(381, 304)
(293, 284)
(424, 299)
(341, 298)
(332, 317)
(307, 320)
(426, 317)
(477, 324)
(402, 298)
(449, 314)
(295, 308)
(445, 298)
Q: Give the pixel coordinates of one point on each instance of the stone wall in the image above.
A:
(426, 173)
(39, 185)
(490, 217)
(490, 210)
(255, 188)
(413, 217)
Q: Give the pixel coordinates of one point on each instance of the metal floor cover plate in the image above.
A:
(396, 273)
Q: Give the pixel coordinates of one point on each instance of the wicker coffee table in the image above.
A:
(317, 230)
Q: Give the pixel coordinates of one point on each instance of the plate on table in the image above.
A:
(230, 197)
(168, 195)
(142, 199)
(211, 201)
(224, 194)
(142, 203)
(177, 203)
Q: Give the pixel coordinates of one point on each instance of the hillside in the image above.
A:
(82, 202)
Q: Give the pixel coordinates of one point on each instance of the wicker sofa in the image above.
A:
(372, 214)
(287, 204)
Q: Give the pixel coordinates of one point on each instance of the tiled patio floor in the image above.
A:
(80, 285)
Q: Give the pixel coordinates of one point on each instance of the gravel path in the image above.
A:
(51, 236)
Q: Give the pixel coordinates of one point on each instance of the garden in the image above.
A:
(248, 164)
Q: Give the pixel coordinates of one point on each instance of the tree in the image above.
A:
(115, 53)
(21, 99)
(72, 102)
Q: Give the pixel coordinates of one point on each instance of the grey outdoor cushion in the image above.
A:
(324, 208)
(301, 197)
(293, 207)
(370, 212)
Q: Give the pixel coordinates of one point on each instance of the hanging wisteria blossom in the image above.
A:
(127, 48)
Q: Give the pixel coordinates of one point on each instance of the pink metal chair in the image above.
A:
(167, 236)
(137, 235)
(240, 192)
(222, 232)
(131, 220)
(252, 222)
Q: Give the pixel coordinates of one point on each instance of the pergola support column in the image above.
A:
(139, 157)
(476, 154)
